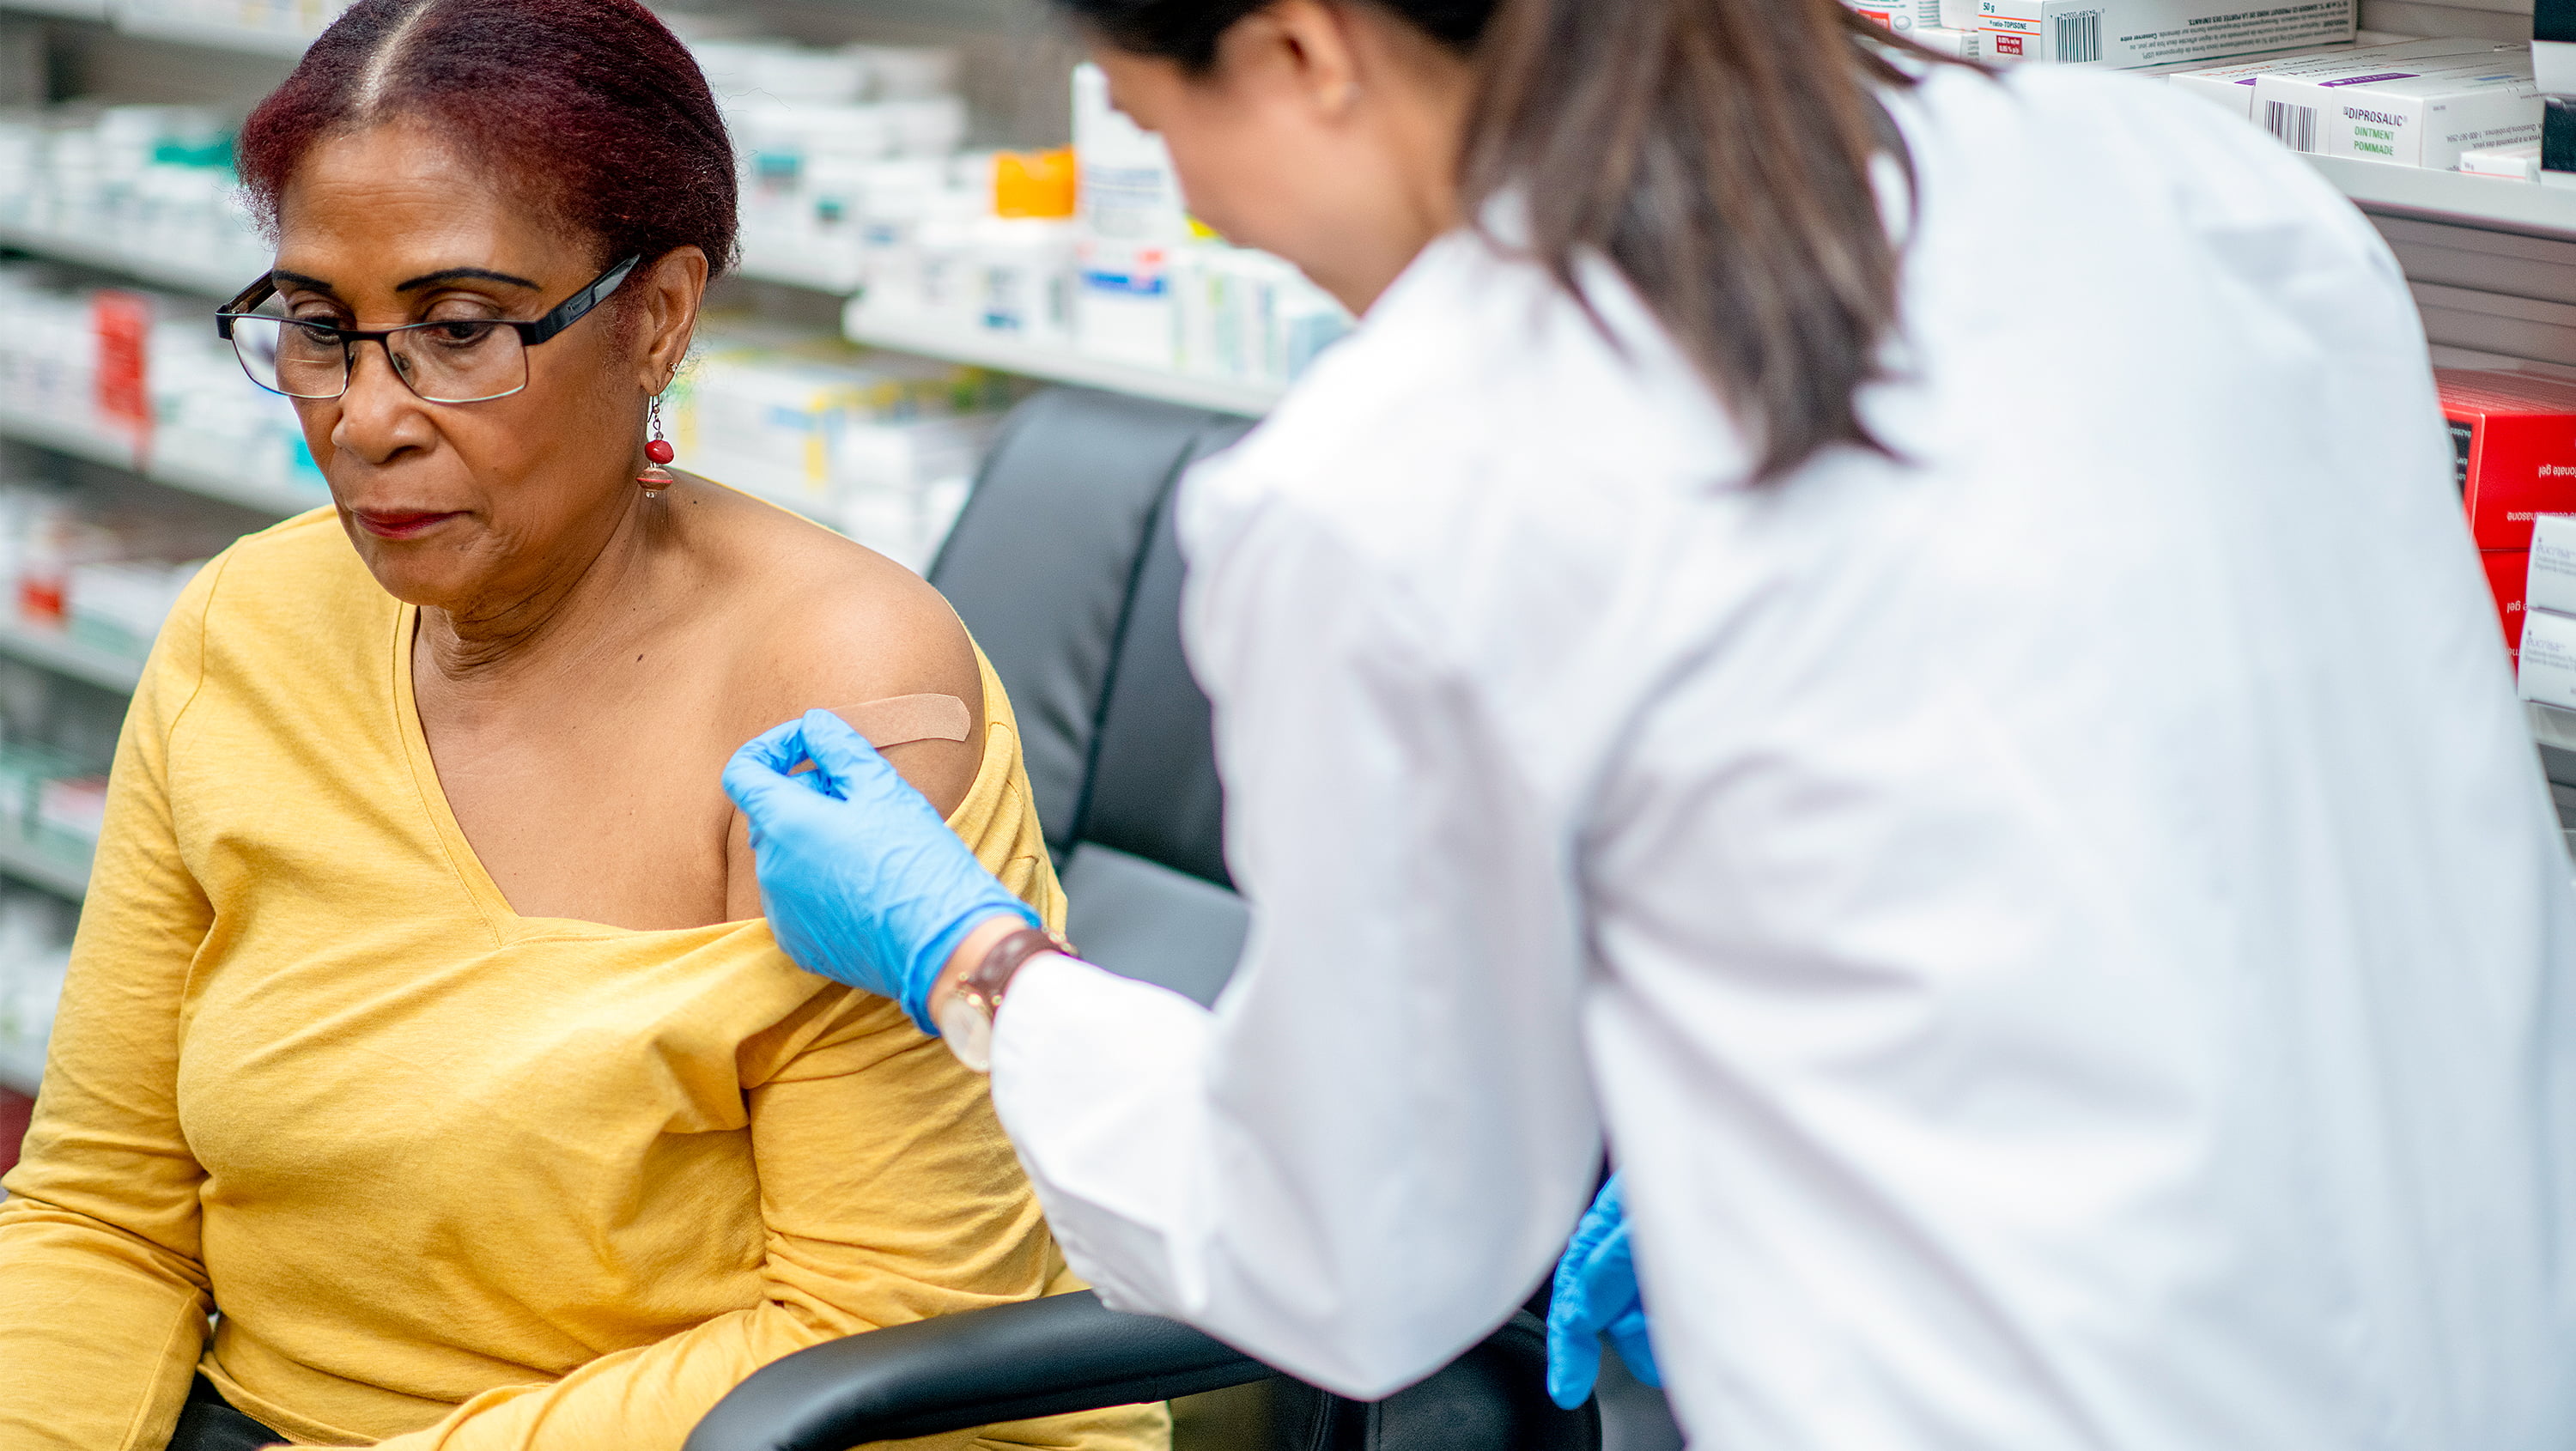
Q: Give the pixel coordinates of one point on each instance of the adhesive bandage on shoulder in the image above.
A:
(900, 720)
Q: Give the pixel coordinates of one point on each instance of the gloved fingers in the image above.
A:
(1598, 1223)
(1573, 1355)
(756, 787)
(845, 762)
(1627, 1335)
(764, 792)
(779, 748)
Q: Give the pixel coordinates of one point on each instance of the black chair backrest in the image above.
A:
(1066, 567)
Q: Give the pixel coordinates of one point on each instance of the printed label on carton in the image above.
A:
(2552, 581)
(2124, 34)
(2414, 116)
(2548, 671)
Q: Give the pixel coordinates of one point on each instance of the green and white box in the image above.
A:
(2127, 34)
(2410, 115)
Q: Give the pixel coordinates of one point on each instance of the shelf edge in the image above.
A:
(1061, 365)
(70, 658)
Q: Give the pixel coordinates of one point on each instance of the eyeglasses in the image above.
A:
(463, 360)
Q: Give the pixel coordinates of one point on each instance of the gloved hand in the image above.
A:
(1595, 1294)
(862, 881)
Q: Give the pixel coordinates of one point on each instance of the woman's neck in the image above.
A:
(574, 611)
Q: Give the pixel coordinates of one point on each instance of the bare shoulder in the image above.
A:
(813, 620)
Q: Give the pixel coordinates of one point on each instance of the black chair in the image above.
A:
(1066, 568)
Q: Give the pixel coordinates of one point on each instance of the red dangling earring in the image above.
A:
(656, 478)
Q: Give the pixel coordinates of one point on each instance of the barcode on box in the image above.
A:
(2295, 125)
(2079, 38)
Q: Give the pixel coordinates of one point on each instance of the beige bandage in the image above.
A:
(899, 720)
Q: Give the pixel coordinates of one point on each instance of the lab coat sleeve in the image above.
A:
(1372, 1149)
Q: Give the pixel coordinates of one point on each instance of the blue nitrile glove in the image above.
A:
(1596, 1295)
(862, 881)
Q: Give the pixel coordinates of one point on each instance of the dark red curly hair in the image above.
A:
(592, 107)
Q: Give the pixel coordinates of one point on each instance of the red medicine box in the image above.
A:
(2513, 440)
(2508, 575)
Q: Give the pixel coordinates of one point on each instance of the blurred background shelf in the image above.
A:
(205, 477)
(24, 861)
(180, 274)
(60, 9)
(2486, 202)
(60, 653)
(1006, 354)
(22, 1066)
(284, 44)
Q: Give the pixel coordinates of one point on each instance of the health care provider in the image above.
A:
(1895, 640)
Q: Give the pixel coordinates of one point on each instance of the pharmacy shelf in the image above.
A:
(22, 860)
(839, 279)
(282, 43)
(60, 653)
(2494, 203)
(1005, 354)
(167, 468)
(22, 1066)
(62, 9)
(156, 269)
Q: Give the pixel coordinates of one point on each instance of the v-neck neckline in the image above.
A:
(505, 921)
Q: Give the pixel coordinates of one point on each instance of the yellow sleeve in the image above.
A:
(103, 1297)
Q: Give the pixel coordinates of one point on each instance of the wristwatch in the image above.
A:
(966, 1019)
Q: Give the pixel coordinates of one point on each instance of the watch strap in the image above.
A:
(991, 978)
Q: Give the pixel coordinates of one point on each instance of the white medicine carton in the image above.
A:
(2549, 658)
(2126, 34)
(2231, 83)
(2408, 114)
(2552, 582)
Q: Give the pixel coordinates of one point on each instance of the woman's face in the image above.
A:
(1326, 132)
(471, 507)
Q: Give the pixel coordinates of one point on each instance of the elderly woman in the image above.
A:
(421, 1020)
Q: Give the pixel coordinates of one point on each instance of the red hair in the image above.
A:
(592, 107)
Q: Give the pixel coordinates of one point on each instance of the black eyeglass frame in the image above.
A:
(563, 315)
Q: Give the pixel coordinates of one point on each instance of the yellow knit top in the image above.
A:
(455, 1177)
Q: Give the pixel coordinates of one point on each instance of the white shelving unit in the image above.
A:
(196, 475)
(2491, 203)
(60, 653)
(27, 862)
(287, 44)
(60, 9)
(180, 274)
(22, 1066)
(243, 38)
(1006, 354)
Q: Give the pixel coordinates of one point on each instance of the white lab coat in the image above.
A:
(2063, 931)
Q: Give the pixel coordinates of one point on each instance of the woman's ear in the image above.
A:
(672, 290)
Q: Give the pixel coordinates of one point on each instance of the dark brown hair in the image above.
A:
(591, 107)
(1719, 152)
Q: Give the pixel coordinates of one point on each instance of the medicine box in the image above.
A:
(2231, 83)
(2410, 114)
(2508, 573)
(2547, 668)
(2552, 580)
(2513, 445)
(2125, 34)
(1901, 16)
(2511, 163)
